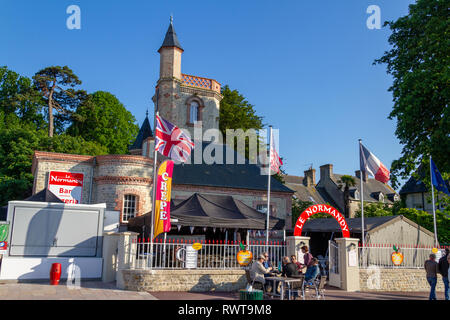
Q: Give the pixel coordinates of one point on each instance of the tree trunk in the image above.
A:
(50, 111)
(50, 119)
(347, 202)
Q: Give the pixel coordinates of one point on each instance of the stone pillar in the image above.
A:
(348, 263)
(294, 243)
(127, 245)
(110, 249)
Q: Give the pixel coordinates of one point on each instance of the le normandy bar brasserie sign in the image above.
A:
(67, 186)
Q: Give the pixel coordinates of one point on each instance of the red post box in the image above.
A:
(55, 274)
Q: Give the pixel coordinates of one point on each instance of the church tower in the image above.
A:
(185, 100)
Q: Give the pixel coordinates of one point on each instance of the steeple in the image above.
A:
(171, 39)
(144, 132)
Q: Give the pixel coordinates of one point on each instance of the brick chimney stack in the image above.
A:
(326, 171)
(358, 175)
(310, 178)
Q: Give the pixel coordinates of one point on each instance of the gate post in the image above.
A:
(294, 243)
(348, 263)
(125, 255)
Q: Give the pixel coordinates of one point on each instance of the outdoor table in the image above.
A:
(283, 281)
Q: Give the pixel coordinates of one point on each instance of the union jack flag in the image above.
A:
(275, 160)
(171, 141)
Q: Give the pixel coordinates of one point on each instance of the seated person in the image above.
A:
(289, 268)
(267, 264)
(313, 270)
(258, 270)
(297, 263)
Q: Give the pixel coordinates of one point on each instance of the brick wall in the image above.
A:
(184, 280)
(397, 280)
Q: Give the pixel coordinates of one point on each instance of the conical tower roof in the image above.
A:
(144, 132)
(171, 39)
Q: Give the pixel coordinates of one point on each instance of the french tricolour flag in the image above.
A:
(368, 162)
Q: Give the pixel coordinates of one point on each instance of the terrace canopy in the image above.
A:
(205, 210)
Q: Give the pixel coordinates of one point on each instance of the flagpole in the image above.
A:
(155, 160)
(361, 178)
(268, 189)
(434, 209)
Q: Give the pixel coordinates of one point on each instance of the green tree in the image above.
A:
(237, 113)
(347, 181)
(102, 118)
(298, 206)
(18, 141)
(18, 97)
(55, 85)
(419, 63)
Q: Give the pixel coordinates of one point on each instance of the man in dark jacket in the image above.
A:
(443, 270)
(432, 269)
(289, 268)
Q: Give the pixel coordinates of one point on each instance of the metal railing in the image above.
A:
(380, 255)
(173, 253)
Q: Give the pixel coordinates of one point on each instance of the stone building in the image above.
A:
(124, 182)
(418, 196)
(330, 190)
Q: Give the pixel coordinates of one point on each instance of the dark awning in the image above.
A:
(202, 210)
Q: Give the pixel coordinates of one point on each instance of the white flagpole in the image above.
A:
(155, 160)
(268, 188)
(434, 208)
(361, 178)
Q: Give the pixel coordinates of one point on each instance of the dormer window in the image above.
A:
(193, 112)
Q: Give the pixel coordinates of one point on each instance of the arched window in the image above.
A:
(193, 112)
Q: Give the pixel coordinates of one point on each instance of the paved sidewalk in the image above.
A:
(89, 290)
(97, 290)
(330, 294)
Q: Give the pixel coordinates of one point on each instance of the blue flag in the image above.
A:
(436, 179)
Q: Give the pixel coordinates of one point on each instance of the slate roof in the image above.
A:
(415, 185)
(171, 39)
(372, 188)
(144, 132)
(243, 176)
(302, 192)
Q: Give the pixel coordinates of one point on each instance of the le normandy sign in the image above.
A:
(323, 208)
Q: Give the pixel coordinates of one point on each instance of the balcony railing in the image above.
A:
(200, 82)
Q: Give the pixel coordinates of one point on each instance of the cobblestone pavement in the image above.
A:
(89, 290)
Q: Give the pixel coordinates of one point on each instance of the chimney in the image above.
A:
(358, 175)
(326, 171)
(310, 177)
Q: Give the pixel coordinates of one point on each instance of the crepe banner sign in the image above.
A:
(163, 192)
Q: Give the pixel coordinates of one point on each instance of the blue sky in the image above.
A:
(305, 65)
